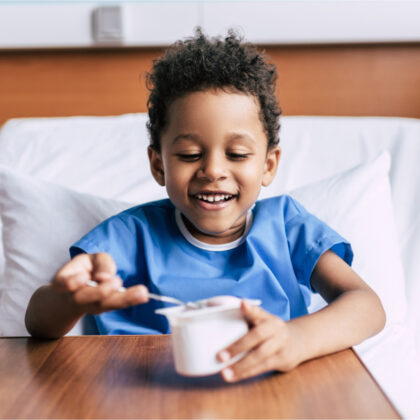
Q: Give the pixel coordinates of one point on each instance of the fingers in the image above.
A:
(262, 329)
(266, 346)
(248, 342)
(103, 267)
(253, 313)
(73, 274)
(256, 362)
(108, 296)
(89, 294)
(85, 270)
(77, 272)
(132, 296)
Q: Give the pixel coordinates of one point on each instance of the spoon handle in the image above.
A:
(154, 296)
(93, 283)
(165, 299)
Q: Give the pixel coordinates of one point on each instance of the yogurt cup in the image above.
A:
(199, 334)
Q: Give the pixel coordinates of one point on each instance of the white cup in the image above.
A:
(199, 334)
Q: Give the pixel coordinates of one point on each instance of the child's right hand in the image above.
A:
(72, 279)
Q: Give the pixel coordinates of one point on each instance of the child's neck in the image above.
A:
(223, 238)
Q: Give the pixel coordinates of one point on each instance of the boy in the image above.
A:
(213, 123)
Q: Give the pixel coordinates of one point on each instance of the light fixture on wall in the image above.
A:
(107, 25)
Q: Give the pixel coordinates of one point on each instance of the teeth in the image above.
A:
(214, 198)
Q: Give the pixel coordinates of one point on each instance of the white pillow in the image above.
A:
(358, 205)
(41, 220)
(105, 156)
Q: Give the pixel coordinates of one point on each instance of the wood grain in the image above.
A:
(45, 83)
(353, 80)
(20, 359)
(380, 80)
(134, 377)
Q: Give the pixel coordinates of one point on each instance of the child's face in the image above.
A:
(213, 161)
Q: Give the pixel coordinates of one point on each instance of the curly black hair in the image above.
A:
(200, 63)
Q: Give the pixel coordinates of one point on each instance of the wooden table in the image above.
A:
(134, 377)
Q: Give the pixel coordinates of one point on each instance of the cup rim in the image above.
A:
(180, 312)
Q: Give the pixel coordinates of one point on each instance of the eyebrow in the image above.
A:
(239, 135)
(185, 136)
(195, 137)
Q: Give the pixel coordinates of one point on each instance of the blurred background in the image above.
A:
(89, 58)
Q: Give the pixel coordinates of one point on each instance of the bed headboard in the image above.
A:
(354, 80)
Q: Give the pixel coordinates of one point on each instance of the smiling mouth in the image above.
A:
(214, 198)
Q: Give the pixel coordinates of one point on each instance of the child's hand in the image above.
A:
(74, 276)
(271, 345)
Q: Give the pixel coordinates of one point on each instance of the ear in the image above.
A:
(271, 163)
(156, 165)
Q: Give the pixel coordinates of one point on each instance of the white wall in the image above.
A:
(52, 24)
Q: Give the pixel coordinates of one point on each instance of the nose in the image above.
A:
(213, 168)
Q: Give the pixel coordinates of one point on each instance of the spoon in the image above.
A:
(162, 298)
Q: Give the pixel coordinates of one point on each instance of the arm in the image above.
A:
(55, 308)
(354, 313)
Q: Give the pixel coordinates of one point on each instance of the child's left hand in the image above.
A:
(271, 344)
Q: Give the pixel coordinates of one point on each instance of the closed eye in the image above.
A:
(189, 157)
(238, 156)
